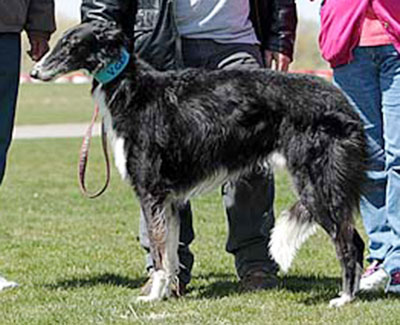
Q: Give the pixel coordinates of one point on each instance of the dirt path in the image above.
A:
(53, 131)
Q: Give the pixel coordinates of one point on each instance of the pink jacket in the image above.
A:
(341, 21)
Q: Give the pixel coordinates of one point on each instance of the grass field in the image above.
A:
(54, 103)
(79, 262)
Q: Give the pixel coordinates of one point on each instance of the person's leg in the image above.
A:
(390, 86)
(249, 208)
(360, 82)
(249, 200)
(9, 81)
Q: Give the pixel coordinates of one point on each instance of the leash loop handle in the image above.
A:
(84, 155)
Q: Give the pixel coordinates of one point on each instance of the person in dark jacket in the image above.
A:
(215, 34)
(36, 17)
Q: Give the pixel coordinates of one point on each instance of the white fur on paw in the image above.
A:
(340, 301)
(5, 284)
(147, 299)
(160, 288)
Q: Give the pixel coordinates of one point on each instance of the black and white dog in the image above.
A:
(177, 134)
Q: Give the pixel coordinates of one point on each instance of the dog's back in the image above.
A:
(236, 117)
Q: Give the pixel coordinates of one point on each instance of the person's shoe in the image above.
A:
(374, 278)
(394, 285)
(178, 289)
(5, 284)
(255, 280)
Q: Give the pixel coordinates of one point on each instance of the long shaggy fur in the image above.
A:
(289, 233)
(185, 131)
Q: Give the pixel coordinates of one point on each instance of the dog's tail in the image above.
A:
(345, 171)
(291, 230)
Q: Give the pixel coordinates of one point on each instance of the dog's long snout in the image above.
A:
(42, 70)
(39, 72)
(36, 70)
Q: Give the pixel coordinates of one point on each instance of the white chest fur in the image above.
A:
(117, 142)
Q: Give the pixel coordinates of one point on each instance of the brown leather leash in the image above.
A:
(84, 155)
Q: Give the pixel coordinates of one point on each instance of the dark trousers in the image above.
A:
(249, 200)
(10, 54)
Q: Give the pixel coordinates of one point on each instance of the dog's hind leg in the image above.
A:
(163, 230)
(348, 244)
(328, 208)
(322, 203)
(340, 185)
(349, 250)
(333, 203)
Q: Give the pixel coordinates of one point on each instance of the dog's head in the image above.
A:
(89, 46)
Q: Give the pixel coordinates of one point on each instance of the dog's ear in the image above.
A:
(113, 32)
(110, 37)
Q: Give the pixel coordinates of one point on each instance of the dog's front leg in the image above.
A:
(163, 229)
(171, 260)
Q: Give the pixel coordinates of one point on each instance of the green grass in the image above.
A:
(79, 262)
(54, 103)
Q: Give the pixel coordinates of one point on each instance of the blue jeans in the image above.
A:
(249, 200)
(372, 83)
(10, 52)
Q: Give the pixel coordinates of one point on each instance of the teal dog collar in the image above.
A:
(111, 71)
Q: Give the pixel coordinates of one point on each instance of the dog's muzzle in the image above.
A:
(42, 71)
(34, 73)
(39, 73)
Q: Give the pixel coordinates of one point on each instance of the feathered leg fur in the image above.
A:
(163, 228)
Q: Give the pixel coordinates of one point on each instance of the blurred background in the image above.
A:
(307, 55)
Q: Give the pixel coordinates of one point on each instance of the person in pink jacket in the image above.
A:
(361, 41)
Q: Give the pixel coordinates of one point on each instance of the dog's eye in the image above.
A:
(74, 39)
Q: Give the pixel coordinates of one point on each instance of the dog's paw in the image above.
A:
(160, 288)
(147, 299)
(340, 301)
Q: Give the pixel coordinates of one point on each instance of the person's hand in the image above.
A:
(39, 42)
(276, 60)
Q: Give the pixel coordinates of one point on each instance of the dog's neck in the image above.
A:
(113, 69)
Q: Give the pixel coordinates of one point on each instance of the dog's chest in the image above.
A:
(117, 142)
